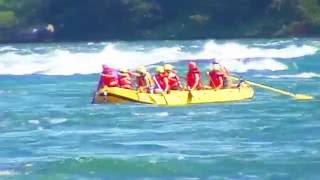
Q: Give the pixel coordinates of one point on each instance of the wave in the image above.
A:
(64, 61)
(236, 50)
(7, 173)
(304, 75)
(244, 65)
(7, 48)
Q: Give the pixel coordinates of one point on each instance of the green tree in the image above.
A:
(311, 11)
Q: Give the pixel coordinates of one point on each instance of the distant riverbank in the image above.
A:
(157, 20)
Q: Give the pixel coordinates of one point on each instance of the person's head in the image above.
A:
(215, 67)
(106, 68)
(124, 70)
(214, 61)
(142, 70)
(168, 67)
(159, 69)
(192, 65)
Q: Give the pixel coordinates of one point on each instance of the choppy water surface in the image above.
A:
(49, 129)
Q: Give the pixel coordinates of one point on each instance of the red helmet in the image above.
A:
(193, 65)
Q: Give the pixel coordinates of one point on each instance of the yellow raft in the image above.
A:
(174, 98)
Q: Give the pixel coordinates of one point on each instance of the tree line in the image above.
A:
(160, 19)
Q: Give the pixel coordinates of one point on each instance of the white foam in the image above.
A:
(28, 165)
(236, 50)
(8, 48)
(7, 173)
(238, 65)
(64, 62)
(57, 121)
(34, 121)
(274, 43)
(137, 114)
(304, 75)
(162, 114)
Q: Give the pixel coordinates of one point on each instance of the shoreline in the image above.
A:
(155, 39)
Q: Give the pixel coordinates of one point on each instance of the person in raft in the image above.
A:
(144, 80)
(124, 79)
(173, 78)
(216, 77)
(226, 79)
(161, 80)
(108, 77)
(193, 77)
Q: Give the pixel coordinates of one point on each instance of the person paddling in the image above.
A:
(222, 68)
(144, 80)
(173, 78)
(161, 80)
(193, 77)
(108, 77)
(124, 79)
(226, 79)
(216, 77)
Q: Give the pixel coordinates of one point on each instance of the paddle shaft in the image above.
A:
(97, 88)
(296, 96)
(271, 88)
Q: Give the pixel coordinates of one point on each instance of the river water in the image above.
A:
(49, 129)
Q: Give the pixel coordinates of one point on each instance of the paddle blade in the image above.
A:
(303, 97)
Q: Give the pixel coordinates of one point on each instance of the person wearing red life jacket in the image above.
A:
(227, 81)
(144, 80)
(193, 77)
(108, 77)
(223, 68)
(161, 80)
(216, 77)
(173, 78)
(124, 79)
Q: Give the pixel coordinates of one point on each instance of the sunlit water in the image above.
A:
(49, 129)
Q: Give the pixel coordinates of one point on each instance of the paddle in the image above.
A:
(165, 99)
(296, 96)
(152, 99)
(208, 74)
(190, 95)
(95, 92)
(162, 93)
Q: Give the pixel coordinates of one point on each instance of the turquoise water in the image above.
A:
(49, 129)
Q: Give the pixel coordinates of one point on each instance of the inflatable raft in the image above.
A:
(174, 98)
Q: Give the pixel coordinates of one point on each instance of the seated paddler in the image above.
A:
(173, 78)
(216, 77)
(193, 77)
(227, 78)
(161, 80)
(144, 80)
(124, 79)
(108, 77)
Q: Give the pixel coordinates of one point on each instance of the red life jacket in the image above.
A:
(125, 81)
(109, 80)
(159, 78)
(141, 81)
(215, 78)
(173, 81)
(191, 78)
